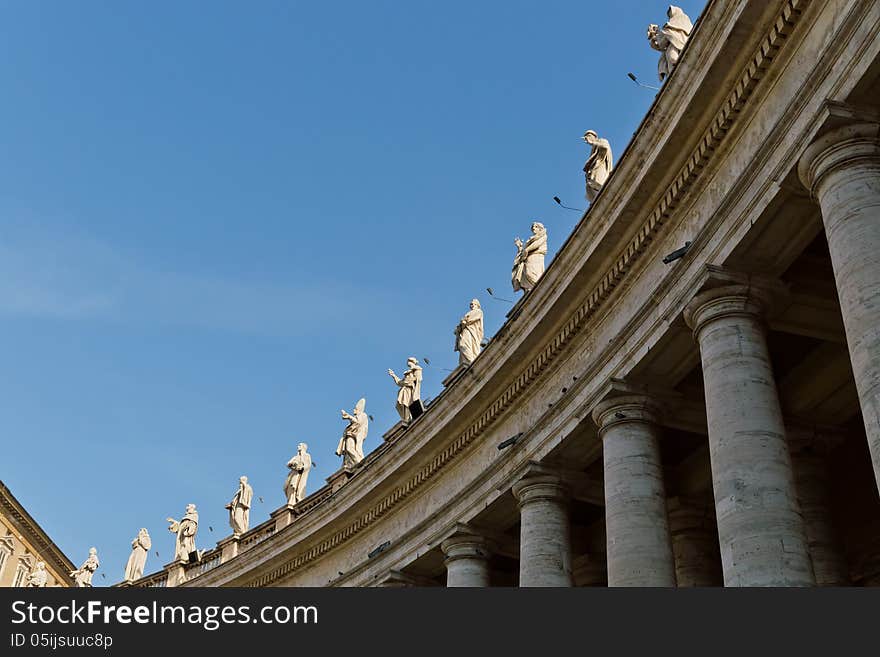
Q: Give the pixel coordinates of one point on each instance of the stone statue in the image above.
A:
(295, 485)
(528, 265)
(186, 530)
(140, 547)
(37, 579)
(351, 445)
(240, 507)
(469, 334)
(410, 388)
(670, 39)
(83, 576)
(599, 165)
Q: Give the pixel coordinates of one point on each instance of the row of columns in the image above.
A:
(770, 490)
(544, 544)
(771, 522)
(772, 507)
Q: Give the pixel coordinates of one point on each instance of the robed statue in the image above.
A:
(469, 334)
(240, 507)
(599, 164)
(528, 264)
(140, 547)
(82, 577)
(670, 39)
(351, 445)
(295, 484)
(185, 529)
(38, 578)
(410, 385)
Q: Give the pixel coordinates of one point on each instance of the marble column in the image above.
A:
(467, 560)
(545, 541)
(694, 543)
(639, 550)
(760, 527)
(842, 171)
(808, 453)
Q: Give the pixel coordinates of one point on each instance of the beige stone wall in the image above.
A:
(17, 552)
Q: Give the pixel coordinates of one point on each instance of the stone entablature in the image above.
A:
(748, 95)
(23, 544)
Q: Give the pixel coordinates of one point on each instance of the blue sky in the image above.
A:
(221, 223)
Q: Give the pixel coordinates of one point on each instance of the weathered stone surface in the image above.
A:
(694, 543)
(639, 551)
(545, 544)
(842, 169)
(809, 450)
(760, 527)
(467, 560)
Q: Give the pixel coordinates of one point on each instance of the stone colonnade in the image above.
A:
(842, 171)
(771, 499)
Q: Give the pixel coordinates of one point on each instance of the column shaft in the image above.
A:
(545, 544)
(639, 550)
(760, 527)
(694, 543)
(467, 561)
(814, 497)
(842, 169)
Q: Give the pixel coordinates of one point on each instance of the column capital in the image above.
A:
(752, 301)
(538, 482)
(465, 543)
(723, 292)
(627, 408)
(848, 145)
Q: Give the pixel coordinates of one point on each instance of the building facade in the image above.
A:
(702, 420)
(24, 544)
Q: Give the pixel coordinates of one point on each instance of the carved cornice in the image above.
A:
(688, 174)
(41, 543)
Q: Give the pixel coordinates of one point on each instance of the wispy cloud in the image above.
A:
(83, 280)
